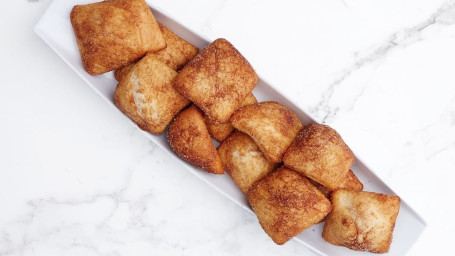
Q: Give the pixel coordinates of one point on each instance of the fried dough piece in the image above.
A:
(220, 131)
(243, 160)
(286, 204)
(350, 182)
(111, 34)
(217, 80)
(123, 71)
(362, 221)
(271, 125)
(320, 154)
(177, 53)
(146, 95)
(189, 138)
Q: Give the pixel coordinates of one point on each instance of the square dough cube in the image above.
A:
(177, 53)
(190, 140)
(350, 182)
(286, 203)
(243, 160)
(217, 80)
(320, 153)
(271, 125)
(146, 95)
(219, 131)
(121, 72)
(111, 34)
(362, 221)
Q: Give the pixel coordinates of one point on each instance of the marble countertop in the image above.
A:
(76, 179)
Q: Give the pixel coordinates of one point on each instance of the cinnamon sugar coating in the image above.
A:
(286, 204)
(111, 34)
(190, 140)
(362, 221)
(217, 80)
(319, 153)
(271, 125)
(146, 95)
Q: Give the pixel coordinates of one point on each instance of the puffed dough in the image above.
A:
(243, 160)
(124, 70)
(350, 182)
(362, 221)
(286, 204)
(190, 140)
(217, 80)
(111, 34)
(271, 125)
(178, 51)
(219, 131)
(146, 95)
(320, 154)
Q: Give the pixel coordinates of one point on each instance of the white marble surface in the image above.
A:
(76, 179)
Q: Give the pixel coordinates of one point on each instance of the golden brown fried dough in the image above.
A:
(220, 131)
(111, 34)
(217, 80)
(286, 204)
(178, 51)
(243, 160)
(189, 138)
(350, 182)
(146, 95)
(123, 71)
(271, 125)
(362, 221)
(320, 153)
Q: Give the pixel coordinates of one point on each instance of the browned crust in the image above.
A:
(111, 34)
(178, 51)
(190, 140)
(350, 182)
(319, 153)
(362, 221)
(219, 131)
(217, 80)
(123, 71)
(146, 95)
(243, 160)
(271, 125)
(286, 204)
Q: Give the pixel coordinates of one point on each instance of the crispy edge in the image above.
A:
(219, 131)
(123, 71)
(154, 83)
(178, 51)
(349, 223)
(190, 140)
(320, 153)
(99, 53)
(350, 182)
(286, 204)
(243, 160)
(271, 125)
(217, 80)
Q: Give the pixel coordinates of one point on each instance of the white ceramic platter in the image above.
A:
(55, 29)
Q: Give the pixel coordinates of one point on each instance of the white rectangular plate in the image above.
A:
(55, 29)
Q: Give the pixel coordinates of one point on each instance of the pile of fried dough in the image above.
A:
(294, 175)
